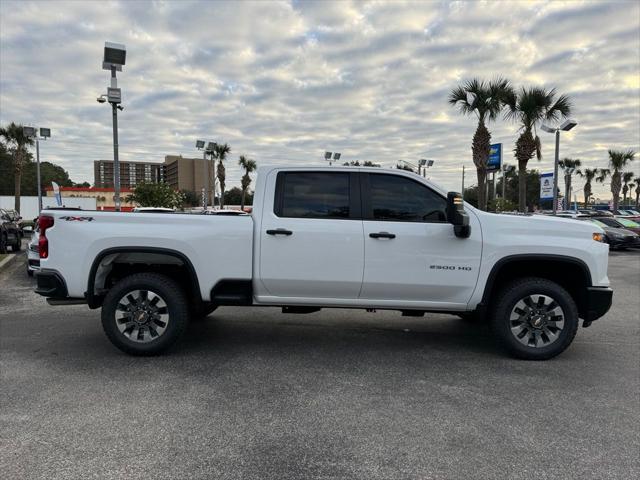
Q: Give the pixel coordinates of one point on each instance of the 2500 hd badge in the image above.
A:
(450, 267)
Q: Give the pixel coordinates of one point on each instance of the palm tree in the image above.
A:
(17, 143)
(637, 186)
(626, 178)
(618, 159)
(249, 166)
(485, 100)
(220, 151)
(588, 174)
(569, 166)
(529, 107)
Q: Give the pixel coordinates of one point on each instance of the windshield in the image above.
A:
(628, 223)
(597, 222)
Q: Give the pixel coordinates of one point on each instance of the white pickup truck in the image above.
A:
(330, 237)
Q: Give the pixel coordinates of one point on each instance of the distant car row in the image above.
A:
(621, 227)
(10, 230)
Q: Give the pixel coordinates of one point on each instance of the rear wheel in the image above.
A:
(3, 243)
(535, 319)
(17, 246)
(145, 314)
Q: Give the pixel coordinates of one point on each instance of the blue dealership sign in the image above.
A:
(546, 186)
(495, 157)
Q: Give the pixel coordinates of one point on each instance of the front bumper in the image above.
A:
(599, 301)
(51, 284)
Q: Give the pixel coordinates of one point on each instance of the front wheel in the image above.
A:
(145, 314)
(535, 319)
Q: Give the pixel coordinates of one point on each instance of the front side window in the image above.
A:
(314, 195)
(397, 198)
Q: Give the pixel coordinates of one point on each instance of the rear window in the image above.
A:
(313, 195)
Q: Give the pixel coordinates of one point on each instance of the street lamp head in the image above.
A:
(101, 99)
(336, 156)
(422, 162)
(430, 163)
(327, 155)
(45, 132)
(211, 147)
(568, 124)
(114, 56)
(547, 128)
(30, 132)
(199, 144)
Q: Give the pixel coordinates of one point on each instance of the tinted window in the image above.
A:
(401, 199)
(315, 195)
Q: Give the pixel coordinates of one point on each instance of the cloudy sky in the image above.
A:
(284, 81)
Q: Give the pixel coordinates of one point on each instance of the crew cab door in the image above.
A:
(311, 241)
(412, 256)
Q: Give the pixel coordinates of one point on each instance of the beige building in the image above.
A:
(104, 196)
(186, 173)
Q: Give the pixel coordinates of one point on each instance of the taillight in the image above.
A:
(44, 222)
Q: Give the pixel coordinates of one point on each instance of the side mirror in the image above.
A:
(457, 216)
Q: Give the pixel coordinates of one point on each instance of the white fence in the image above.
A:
(29, 205)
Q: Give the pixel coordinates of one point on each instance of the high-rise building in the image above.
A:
(131, 173)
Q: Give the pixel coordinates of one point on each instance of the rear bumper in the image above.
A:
(598, 303)
(51, 284)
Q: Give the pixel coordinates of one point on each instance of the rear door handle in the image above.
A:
(280, 231)
(382, 235)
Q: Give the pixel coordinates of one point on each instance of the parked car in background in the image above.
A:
(616, 237)
(225, 212)
(620, 222)
(10, 234)
(153, 210)
(33, 252)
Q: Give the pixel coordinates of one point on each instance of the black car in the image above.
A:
(10, 233)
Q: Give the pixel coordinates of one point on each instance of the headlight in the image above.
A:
(598, 237)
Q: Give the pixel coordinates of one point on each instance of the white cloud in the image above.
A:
(283, 81)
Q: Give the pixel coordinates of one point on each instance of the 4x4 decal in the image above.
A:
(77, 219)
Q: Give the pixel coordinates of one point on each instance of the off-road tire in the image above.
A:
(517, 290)
(177, 307)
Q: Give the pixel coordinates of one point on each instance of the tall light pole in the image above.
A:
(45, 133)
(565, 127)
(113, 60)
(332, 157)
(424, 163)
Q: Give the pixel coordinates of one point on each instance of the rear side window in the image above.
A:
(313, 195)
(400, 199)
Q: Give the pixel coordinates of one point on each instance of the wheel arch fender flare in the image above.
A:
(537, 258)
(94, 301)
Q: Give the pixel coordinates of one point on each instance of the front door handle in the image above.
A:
(279, 231)
(382, 235)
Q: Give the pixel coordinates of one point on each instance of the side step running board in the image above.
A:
(66, 301)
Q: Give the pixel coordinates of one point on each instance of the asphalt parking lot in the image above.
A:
(255, 394)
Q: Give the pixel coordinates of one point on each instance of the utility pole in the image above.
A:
(555, 173)
(462, 193)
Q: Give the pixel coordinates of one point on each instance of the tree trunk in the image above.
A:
(242, 200)
(525, 149)
(522, 187)
(637, 198)
(567, 192)
(480, 149)
(482, 190)
(615, 188)
(587, 194)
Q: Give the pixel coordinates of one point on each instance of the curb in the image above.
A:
(7, 260)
